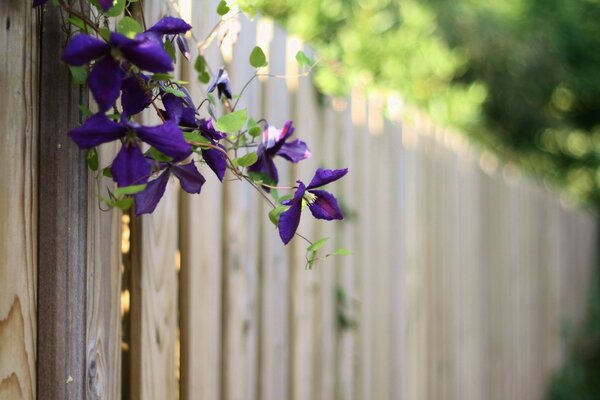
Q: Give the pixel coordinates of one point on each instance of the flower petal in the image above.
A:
(182, 44)
(171, 26)
(105, 82)
(207, 129)
(134, 98)
(167, 138)
(290, 219)
(215, 159)
(173, 106)
(190, 179)
(96, 130)
(146, 51)
(130, 167)
(83, 48)
(106, 4)
(222, 84)
(39, 2)
(147, 200)
(265, 165)
(295, 151)
(325, 206)
(188, 118)
(325, 176)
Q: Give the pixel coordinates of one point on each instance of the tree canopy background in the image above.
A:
(518, 76)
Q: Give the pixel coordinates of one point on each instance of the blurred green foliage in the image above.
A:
(579, 378)
(521, 77)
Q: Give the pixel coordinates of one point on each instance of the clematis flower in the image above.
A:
(106, 75)
(274, 144)
(130, 167)
(135, 97)
(183, 112)
(170, 26)
(322, 204)
(222, 84)
(189, 178)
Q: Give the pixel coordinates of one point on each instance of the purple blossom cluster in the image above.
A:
(127, 74)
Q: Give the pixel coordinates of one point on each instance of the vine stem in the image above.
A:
(79, 15)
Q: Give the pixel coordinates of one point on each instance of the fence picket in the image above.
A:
(18, 206)
(462, 281)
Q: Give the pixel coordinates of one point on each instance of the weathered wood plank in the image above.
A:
(240, 246)
(103, 314)
(304, 283)
(201, 253)
(18, 201)
(346, 267)
(274, 257)
(154, 290)
(63, 186)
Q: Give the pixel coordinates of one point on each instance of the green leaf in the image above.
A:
(285, 197)
(105, 33)
(232, 122)
(200, 64)
(128, 190)
(317, 245)
(170, 49)
(304, 60)
(79, 74)
(78, 22)
(276, 212)
(204, 77)
(222, 8)
(174, 92)
(129, 27)
(124, 203)
(255, 131)
(247, 160)
(258, 58)
(195, 136)
(116, 10)
(161, 77)
(259, 177)
(211, 99)
(107, 172)
(341, 252)
(91, 159)
(85, 110)
(158, 156)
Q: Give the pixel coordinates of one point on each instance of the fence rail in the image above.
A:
(463, 275)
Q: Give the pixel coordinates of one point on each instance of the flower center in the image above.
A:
(310, 198)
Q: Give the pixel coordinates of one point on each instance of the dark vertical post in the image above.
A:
(62, 225)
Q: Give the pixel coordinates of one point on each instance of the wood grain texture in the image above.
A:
(154, 293)
(18, 199)
(275, 268)
(201, 255)
(62, 262)
(240, 250)
(305, 284)
(103, 327)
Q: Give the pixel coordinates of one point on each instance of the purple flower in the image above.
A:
(37, 3)
(181, 112)
(322, 204)
(189, 178)
(130, 166)
(222, 84)
(274, 144)
(106, 75)
(170, 26)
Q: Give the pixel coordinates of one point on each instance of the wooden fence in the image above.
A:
(463, 278)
